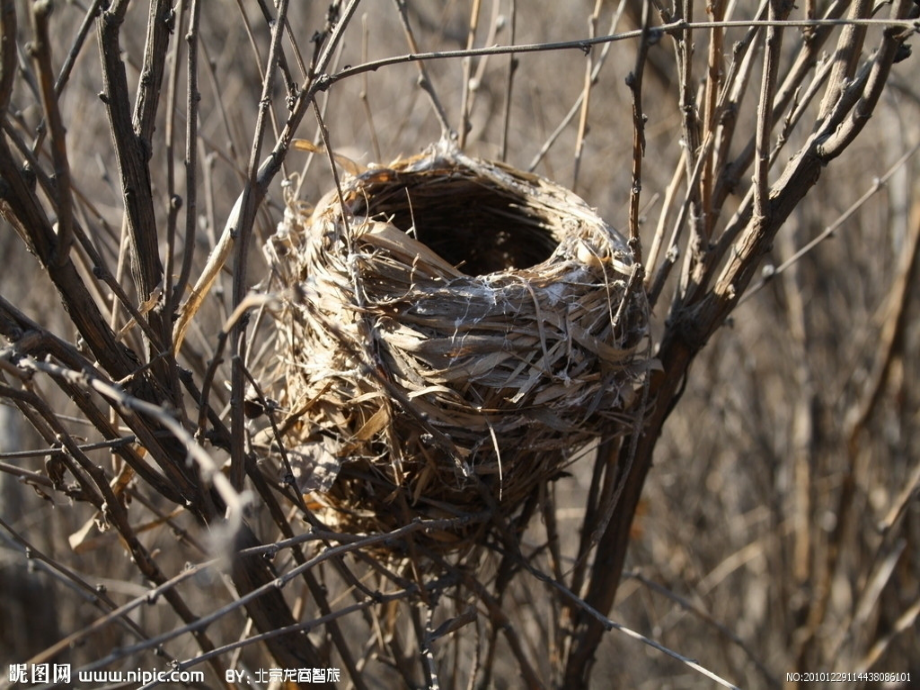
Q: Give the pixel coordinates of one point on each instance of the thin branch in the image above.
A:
(268, 587)
(99, 493)
(241, 258)
(585, 43)
(85, 27)
(714, 83)
(585, 99)
(467, 63)
(368, 112)
(830, 230)
(173, 200)
(266, 173)
(704, 615)
(886, 55)
(509, 83)
(93, 594)
(804, 65)
(424, 80)
(160, 20)
(904, 622)
(609, 624)
(774, 41)
(891, 335)
(191, 158)
(7, 53)
(575, 109)
(209, 468)
(845, 58)
(41, 52)
(634, 82)
(132, 150)
(289, 84)
(654, 269)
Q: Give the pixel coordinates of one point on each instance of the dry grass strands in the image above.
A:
(453, 334)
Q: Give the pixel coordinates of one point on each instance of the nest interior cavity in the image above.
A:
(454, 331)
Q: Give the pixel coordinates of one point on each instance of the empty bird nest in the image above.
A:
(452, 332)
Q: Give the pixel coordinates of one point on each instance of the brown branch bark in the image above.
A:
(132, 150)
(690, 325)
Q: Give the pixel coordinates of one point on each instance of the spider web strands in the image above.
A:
(584, 44)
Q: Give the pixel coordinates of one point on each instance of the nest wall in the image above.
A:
(452, 331)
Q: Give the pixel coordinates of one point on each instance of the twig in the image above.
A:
(368, 113)
(612, 625)
(317, 590)
(465, 105)
(585, 43)
(209, 468)
(803, 66)
(654, 270)
(499, 620)
(585, 98)
(723, 629)
(891, 335)
(846, 56)
(159, 27)
(424, 80)
(94, 595)
(266, 173)
(132, 147)
(634, 82)
(69, 62)
(687, 90)
(774, 41)
(233, 155)
(289, 84)
(51, 451)
(574, 110)
(85, 26)
(248, 206)
(173, 200)
(301, 627)
(903, 623)
(101, 496)
(191, 159)
(509, 83)
(830, 230)
(713, 84)
(844, 134)
(7, 53)
(30, 339)
(283, 579)
(41, 52)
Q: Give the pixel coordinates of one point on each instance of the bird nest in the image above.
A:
(452, 332)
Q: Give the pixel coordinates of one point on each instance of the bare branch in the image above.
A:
(7, 52)
(132, 148)
(424, 79)
(779, 9)
(41, 52)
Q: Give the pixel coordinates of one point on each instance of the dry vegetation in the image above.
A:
(778, 528)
